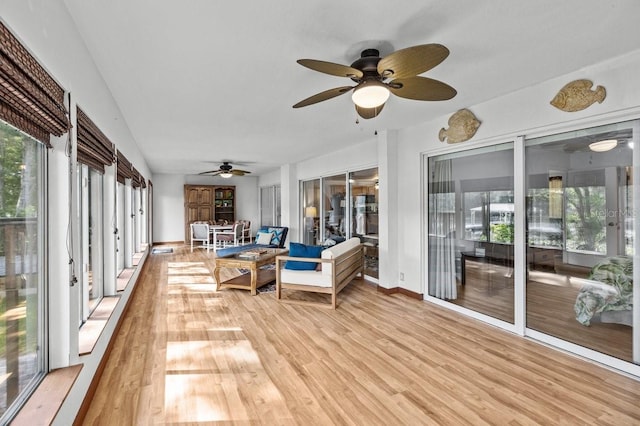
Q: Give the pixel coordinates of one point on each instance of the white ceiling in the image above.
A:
(201, 81)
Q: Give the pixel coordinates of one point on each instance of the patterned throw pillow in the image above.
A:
(277, 235)
(264, 238)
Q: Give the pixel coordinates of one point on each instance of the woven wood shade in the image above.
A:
(94, 148)
(125, 170)
(30, 99)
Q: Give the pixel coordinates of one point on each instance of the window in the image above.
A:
(22, 281)
(92, 236)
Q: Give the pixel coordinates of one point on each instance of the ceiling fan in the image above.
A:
(226, 170)
(377, 77)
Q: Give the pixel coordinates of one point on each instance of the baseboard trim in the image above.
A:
(404, 291)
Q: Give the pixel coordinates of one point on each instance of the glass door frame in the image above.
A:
(520, 265)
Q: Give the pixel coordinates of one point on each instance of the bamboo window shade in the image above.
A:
(94, 148)
(125, 169)
(136, 177)
(30, 99)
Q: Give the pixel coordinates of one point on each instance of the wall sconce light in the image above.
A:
(376, 185)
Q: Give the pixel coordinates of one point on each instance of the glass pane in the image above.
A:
(363, 187)
(334, 207)
(310, 212)
(580, 230)
(471, 226)
(95, 258)
(21, 254)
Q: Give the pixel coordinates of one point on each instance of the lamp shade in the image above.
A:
(310, 212)
(370, 94)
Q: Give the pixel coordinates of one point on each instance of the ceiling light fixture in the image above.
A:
(226, 175)
(370, 94)
(603, 146)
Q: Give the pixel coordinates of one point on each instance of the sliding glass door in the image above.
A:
(550, 251)
(471, 228)
(580, 223)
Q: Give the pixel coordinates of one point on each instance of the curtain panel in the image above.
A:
(94, 148)
(30, 99)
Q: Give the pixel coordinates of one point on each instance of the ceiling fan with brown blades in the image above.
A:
(377, 77)
(226, 170)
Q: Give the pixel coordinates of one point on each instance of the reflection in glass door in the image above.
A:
(334, 189)
(580, 227)
(363, 187)
(471, 230)
(310, 212)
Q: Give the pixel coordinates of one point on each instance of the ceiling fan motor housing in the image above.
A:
(368, 64)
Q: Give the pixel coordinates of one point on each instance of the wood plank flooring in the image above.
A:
(187, 354)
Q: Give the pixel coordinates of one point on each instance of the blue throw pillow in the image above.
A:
(277, 235)
(301, 250)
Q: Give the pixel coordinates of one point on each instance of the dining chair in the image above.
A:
(232, 237)
(246, 231)
(200, 233)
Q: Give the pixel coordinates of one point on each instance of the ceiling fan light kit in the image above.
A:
(603, 146)
(226, 171)
(371, 73)
(370, 94)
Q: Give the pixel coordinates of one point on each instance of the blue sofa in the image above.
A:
(230, 251)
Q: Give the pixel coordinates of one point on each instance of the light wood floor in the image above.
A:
(187, 354)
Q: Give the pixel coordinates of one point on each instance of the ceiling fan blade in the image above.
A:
(412, 61)
(323, 96)
(209, 172)
(368, 113)
(421, 89)
(331, 68)
(238, 172)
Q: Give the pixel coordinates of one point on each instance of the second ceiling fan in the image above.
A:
(377, 77)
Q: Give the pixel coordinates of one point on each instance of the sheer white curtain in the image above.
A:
(442, 257)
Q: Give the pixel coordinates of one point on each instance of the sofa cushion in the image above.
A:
(313, 278)
(264, 238)
(337, 250)
(301, 250)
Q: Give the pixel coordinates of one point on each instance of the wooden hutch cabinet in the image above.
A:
(208, 203)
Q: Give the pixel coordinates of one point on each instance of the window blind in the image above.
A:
(94, 148)
(30, 99)
(124, 170)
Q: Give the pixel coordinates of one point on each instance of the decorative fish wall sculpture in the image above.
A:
(462, 126)
(577, 95)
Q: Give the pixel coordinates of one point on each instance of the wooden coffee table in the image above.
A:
(257, 277)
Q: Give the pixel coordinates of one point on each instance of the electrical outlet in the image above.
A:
(401, 276)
